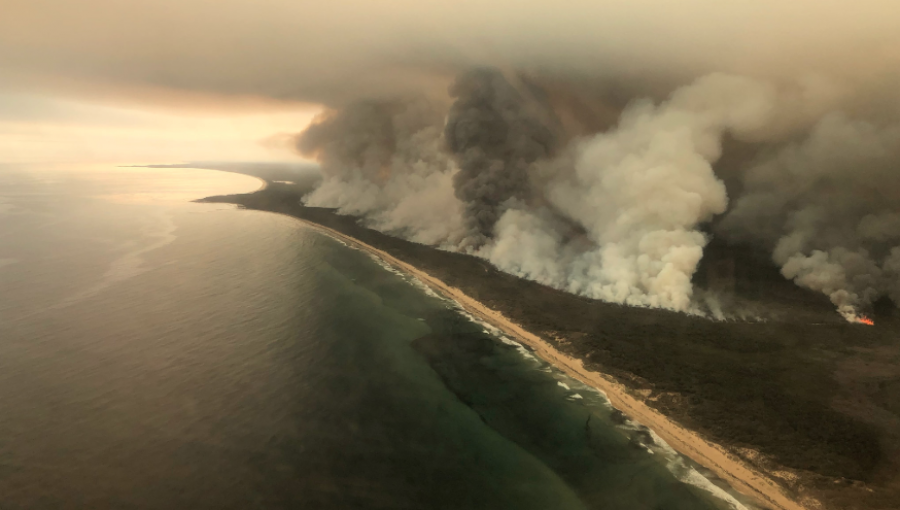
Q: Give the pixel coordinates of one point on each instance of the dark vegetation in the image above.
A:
(803, 387)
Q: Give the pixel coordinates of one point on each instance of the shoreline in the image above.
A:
(741, 477)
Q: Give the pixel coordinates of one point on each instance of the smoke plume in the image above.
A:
(639, 193)
(612, 216)
(495, 135)
(384, 161)
(827, 206)
(619, 214)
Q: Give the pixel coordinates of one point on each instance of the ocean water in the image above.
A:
(162, 354)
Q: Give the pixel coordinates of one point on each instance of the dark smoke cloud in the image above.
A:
(496, 134)
(360, 138)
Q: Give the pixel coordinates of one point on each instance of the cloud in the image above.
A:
(334, 52)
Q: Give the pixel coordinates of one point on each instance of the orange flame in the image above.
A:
(865, 320)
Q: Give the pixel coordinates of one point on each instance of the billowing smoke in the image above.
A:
(495, 135)
(613, 216)
(828, 206)
(383, 160)
(639, 192)
(622, 214)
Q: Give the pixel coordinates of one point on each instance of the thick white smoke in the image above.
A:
(639, 193)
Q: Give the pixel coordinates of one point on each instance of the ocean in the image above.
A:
(161, 354)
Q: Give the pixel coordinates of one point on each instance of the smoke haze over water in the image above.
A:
(576, 144)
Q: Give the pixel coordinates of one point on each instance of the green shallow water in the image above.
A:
(161, 354)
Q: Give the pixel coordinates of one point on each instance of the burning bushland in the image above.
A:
(623, 214)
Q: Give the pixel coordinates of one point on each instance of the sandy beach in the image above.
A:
(739, 475)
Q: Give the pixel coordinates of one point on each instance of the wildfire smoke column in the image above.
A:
(495, 135)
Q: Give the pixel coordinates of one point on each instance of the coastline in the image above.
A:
(791, 415)
(743, 478)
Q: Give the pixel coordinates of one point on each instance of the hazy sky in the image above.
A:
(46, 128)
(190, 79)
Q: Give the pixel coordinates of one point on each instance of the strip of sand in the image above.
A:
(738, 474)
